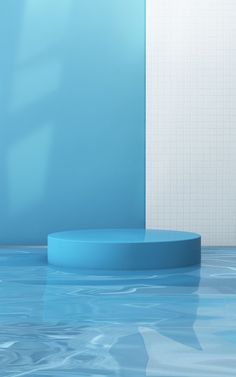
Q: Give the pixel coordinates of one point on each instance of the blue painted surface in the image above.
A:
(72, 116)
(121, 249)
(178, 323)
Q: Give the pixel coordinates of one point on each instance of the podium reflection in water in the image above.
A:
(106, 319)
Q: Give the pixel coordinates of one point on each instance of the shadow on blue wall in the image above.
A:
(72, 116)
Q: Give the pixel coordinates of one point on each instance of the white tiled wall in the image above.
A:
(191, 117)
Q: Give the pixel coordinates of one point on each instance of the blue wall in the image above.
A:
(72, 116)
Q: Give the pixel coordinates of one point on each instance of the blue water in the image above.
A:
(178, 323)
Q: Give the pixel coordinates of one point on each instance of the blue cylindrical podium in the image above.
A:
(124, 249)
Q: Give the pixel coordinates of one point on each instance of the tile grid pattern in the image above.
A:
(191, 113)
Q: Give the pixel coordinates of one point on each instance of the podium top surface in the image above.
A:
(124, 235)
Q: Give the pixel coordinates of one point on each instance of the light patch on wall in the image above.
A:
(33, 83)
(44, 24)
(28, 162)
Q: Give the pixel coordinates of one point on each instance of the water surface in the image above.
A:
(172, 323)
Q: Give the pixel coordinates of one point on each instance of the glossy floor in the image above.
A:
(175, 323)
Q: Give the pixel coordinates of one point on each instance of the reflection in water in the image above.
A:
(118, 304)
(159, 323)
